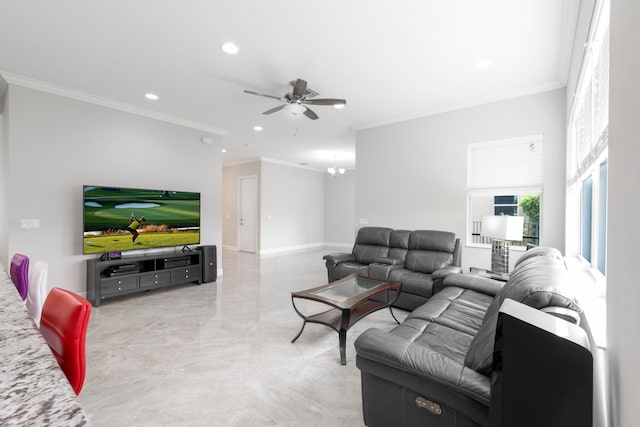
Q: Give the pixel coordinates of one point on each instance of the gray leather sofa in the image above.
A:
(419, 259)
(436, 367)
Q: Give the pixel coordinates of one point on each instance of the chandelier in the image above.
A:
(334, 171)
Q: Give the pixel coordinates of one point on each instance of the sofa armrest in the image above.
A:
(445, 271)
(338, 258)
(474, 283)
(389, 261)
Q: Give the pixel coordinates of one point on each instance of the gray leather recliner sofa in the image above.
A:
(443, 352)
(419, 259)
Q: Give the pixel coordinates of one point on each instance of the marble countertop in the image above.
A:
(33, 388)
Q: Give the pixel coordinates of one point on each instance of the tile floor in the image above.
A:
(220, 354)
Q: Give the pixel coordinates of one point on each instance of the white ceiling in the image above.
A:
(391, 61)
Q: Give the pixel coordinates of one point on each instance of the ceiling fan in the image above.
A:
(298, 99)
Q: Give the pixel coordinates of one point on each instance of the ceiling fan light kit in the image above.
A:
(295, 109)
(297, 100)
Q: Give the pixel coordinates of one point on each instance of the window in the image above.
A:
(587, 134)
(505, 178)
(587, 218)
(505, 205)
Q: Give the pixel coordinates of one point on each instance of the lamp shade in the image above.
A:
(503, 227)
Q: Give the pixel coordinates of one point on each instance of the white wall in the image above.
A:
(340, 209)
(412, 174)
(623, 287)
(291, 208)
(57, 144)
(230, 175)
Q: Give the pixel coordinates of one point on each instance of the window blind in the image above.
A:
(508, 163)
(589, 120)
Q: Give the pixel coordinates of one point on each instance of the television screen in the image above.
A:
(121, 219)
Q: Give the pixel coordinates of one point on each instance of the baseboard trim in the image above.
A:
(304, 248)
(291, 249)
(338, 245)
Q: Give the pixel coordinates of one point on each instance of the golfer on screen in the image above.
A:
(133, 227)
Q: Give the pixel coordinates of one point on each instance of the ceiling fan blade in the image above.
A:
(274, 109)
(262, 94)
(309, 113)
(324, 101)
(299, 88)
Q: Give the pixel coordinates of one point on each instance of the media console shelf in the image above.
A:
(112, 278)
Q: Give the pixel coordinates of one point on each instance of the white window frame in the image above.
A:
(488, 187)
(587, 140)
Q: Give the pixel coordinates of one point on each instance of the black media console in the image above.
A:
(128, 275)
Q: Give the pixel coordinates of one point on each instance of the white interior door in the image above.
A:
(248, 213)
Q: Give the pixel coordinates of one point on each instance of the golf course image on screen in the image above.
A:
(121, 219)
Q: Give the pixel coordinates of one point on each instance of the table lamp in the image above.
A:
(501, 229)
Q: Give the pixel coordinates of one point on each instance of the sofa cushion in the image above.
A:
(430, 250)
(455, 308)
(399, 244)
(427, 261)
(413, 282)
(433, 340)
(366, 254)
(432, 240)
(376, 236)
(530, 285)
(372, 243)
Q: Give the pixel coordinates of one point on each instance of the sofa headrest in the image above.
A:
(540, 251)
(431, 240)
(539, 282)
(376, 236)
(400, 239)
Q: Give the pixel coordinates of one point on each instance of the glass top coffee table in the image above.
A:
(350, 302)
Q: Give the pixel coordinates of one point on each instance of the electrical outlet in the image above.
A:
(29, 223)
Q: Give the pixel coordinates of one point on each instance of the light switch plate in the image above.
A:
(29, 223)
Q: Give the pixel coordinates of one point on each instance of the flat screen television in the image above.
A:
(122, 219)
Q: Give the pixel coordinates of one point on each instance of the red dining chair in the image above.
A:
(19, 272)
(63, 324)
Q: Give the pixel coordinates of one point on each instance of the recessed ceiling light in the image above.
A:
(484, 63)
(224, 150)
(338, 106)
(257, 128)
(229, 48)
(151, 96)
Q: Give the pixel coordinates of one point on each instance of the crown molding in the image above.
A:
(41, 86)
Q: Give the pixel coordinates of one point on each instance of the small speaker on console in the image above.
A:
(209, 263)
